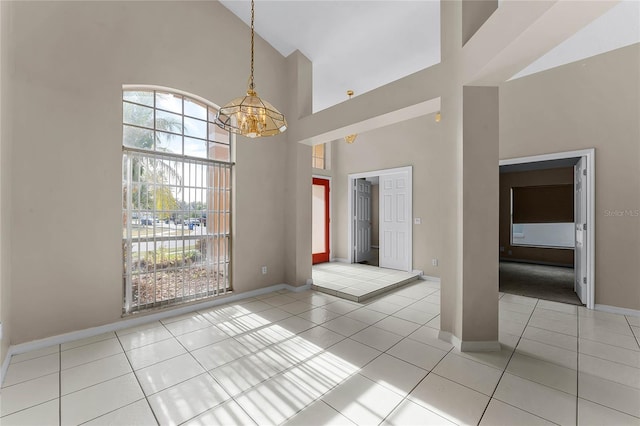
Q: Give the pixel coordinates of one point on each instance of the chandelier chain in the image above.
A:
(251, 85)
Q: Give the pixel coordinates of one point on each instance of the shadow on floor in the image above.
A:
(541, 281)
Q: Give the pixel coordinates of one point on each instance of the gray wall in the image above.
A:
(593, 103)
(70, 60)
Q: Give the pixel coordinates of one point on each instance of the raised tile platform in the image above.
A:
(357, 282)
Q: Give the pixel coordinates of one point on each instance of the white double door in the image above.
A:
(395, 220)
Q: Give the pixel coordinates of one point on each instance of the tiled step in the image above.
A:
(358, 288)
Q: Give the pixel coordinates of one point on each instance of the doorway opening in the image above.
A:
(380, 206)
(320, 220)
(547, 227)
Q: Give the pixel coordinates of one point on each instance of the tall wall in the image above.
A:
(69, 62)
(5, 186)
(414, 143)
(530, 178)
(593, 103)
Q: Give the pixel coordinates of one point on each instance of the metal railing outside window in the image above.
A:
(177, 197)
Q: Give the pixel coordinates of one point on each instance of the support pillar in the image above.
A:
(469, 279)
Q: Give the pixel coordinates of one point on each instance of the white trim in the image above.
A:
(5, 364)
(340, 260)
(132, 322)
(146, 87)
(590, 157)
(353, 176)
(617, 310)
(430, 278)
(469, 346)
(418, 271)
(330, 210)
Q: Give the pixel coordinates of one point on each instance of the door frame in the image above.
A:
(330, 233)
(589, 155)
(409, 204)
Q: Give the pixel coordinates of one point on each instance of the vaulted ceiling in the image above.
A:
(362, 45)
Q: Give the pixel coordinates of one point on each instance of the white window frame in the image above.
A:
(215, 233)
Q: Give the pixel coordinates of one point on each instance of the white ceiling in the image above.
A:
(619, 27)
(357, 45)
(362, 44)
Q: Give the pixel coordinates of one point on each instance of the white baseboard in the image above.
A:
(133, 322)
(340, 260)
(5, 365)
(466, 346)
(417, 271)
(430, 278)
(617, 310)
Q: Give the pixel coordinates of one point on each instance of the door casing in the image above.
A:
(326, 182)
(409, 206)
(589, 157)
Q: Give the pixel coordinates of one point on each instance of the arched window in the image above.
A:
(176, 189)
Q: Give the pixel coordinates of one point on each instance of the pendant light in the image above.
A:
(249, 115)
(350, 138)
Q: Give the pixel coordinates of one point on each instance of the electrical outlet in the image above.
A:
(434, 262)
(417, 220)
(510, 252)
(501, 249)
(264, 270)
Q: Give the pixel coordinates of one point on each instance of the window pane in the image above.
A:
(318, 156)
(217, 134)
(168, 122)
(136, 137)
(169, 102)
(145, 98)
(195, 109)
(166, 142)
(195, 148)
(195, 128)
(220, 152)
(137, 115)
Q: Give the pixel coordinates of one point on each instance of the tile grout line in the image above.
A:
(632, 332)
(262, 349)
(324, 350)
(133, 371)
(388, 354)
(508, 362)
(59, 385)
(208, 373)
(406, 398)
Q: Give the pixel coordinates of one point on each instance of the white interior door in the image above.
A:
(362, 220)
(395, 221)
(581, 225)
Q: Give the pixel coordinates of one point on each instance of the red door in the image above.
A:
(320, 220)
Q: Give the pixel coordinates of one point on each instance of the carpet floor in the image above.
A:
(541, 281)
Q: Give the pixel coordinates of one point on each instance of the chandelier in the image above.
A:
(249, 115)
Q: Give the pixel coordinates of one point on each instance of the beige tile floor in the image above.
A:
(357, 282)
(310, 358)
